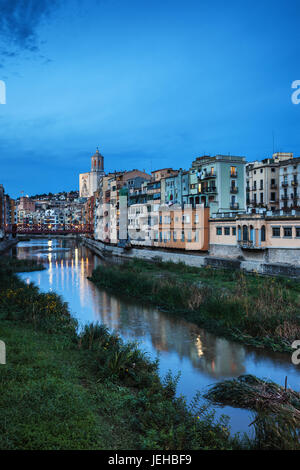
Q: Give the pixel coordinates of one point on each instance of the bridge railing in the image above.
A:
(53, 228)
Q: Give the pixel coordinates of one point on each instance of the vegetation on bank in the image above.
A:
(277, 421)
(256, 310)
(64, 389)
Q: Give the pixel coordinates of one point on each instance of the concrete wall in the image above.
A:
(252, 262)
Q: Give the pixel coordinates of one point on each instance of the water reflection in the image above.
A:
(201, 357)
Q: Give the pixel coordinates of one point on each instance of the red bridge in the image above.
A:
(49, 229)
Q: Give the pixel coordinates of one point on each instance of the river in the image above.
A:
(201, 357)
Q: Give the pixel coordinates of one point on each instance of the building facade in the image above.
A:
(218, 183)
(262, 181)
(88, 182)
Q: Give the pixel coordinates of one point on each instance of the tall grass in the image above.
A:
(258, 311)
(92, 378)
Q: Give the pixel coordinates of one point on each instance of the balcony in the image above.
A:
(234, 189)
(273, 186)
(284, 185)
(284, 198)
(234, 205)
(294, 183)
(210, 189)
(205, 176)
(249, 245)
(233, 174)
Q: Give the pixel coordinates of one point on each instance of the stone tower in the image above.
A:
(97, 162)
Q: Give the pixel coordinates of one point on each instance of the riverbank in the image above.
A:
(255, 310)
(64, 390)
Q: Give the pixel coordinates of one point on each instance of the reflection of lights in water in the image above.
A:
(213, 365)
(76, 257)
(50, 245)
(198, 344)
(50, 268)
(82, 289)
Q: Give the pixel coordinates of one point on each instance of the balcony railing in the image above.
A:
(234, 205)
(233, 174)
(234, 189)
(284, 185)
(249, 245)
(207, 175)
(294, 183)
(210, 189)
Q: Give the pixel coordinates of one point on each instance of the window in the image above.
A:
(261, 198)
(212, 171)
(234, 231)
(197, 235)
(273, 170)
(226, 230)
(233, 170)
(189, 237)
(182, 236)
(275, 231)
(263, 233)
(287, 232)
(261, 170)
(175, 236)
(297, 232)
(261, 184)
(273, 196)
(219, 230)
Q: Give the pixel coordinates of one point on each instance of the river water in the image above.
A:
(201, 357)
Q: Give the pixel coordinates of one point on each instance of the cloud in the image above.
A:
(19, 21)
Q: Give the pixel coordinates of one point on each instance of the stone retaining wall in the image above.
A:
(253, 262)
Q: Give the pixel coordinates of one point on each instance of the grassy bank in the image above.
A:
(258, 311)
(61, 389)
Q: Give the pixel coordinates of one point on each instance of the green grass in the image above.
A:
(61, 389)
(47, 401)
(256, 310)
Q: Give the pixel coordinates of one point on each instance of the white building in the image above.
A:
(88, 182)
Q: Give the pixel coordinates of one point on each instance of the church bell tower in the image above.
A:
(97, 162)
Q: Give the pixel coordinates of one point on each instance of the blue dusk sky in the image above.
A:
(153, 83)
